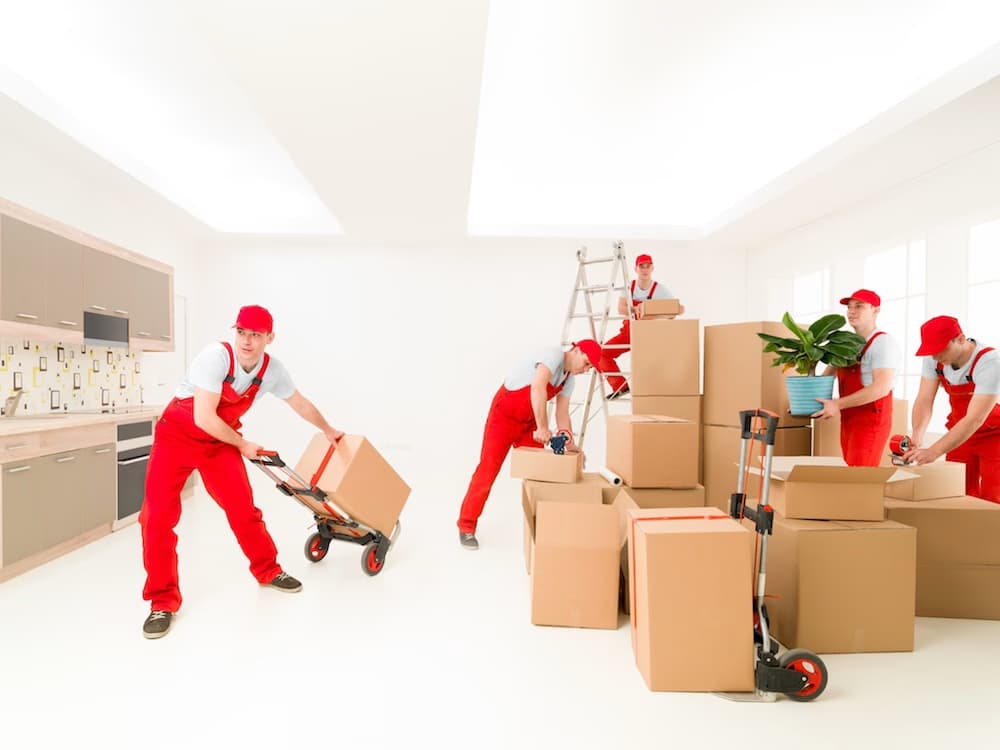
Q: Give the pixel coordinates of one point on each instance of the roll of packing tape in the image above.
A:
(612, 478)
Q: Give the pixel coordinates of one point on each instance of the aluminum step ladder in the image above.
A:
(596, 314)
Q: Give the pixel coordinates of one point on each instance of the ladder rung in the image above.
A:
(598, 260)
(599, 315)
(596, 289)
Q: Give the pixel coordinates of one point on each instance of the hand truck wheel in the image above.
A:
(807, 663)
(316, 547)
(370, 563)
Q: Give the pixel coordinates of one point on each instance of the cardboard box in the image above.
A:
(826, 432)
(608, 490)
(739, 376)
(574, 565)
(653, 309)
(721, 454)
(681, 407)
(357, 479)
(958, 555)
(534, 492)
(655, 502)
(652, 451)
(666, 358)
(824, 488)
(692, 620)
(937, 480)
(544, 465)
(842, 586)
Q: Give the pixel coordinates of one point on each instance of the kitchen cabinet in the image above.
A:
(151, 305)
(106, 280)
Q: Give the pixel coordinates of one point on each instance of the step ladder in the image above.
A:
(596, 314)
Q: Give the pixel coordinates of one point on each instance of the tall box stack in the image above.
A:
(826, 432)
(739, 376)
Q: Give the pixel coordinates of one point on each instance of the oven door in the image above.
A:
(131, 481)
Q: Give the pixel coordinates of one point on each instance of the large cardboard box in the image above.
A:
(826, 432)
(739, 376)
(842, 586)
(721, 452)
(936, 480)
(666, 358)
(958, 555)
(534, 492)
(681, 407)
(574, 565)
(357, 479)
(654, 501)
(656, 309)
(544, 465)
(824, 488)
(691, 614)
(652, 451)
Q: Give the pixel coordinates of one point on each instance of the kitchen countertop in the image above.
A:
(67, 419)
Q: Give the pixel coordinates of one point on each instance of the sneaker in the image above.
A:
(468, 540)
(285, 582)
(620, 392)
(157, 624)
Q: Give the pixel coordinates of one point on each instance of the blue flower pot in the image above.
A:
(803, 390)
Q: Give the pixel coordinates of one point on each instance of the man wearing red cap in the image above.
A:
(641, 289)
(518, 417)
(199, 429)
(864, 401)
(970, 374)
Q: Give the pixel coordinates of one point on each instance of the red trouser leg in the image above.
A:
(608, 357)
(170, 464)
(225, 478)
(982, 467)
(500, 435)
(863, 437)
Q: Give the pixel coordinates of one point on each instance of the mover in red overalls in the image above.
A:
(641, 289)
(864, 401)
(199, 429)
(519, 417)
(970, 375)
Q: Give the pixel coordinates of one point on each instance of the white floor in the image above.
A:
(437, 651)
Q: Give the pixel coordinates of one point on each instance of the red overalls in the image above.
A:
(981, 452)
(609, 355)
(510, 424)
(864, 430)
(179, 448)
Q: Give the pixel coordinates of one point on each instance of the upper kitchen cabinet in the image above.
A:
(106, 283)
(151, 317)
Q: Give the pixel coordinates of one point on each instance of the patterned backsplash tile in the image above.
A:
(59, 377)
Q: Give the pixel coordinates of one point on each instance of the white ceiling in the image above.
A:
(414, 121)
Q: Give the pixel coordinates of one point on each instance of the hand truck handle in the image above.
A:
(768, 433)
(267, 458)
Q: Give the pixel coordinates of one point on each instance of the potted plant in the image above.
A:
(824, 341)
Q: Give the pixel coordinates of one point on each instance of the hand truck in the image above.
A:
(797, 673)
(331, 522)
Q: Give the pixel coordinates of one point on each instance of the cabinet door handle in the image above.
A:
(17, 447)
(135, 460)
(29, 316)
(103, 450)
(18, 469)
(166, 338)
(143, 333)
(68, 323)
(122, 312)
(64, 459)
(98, 307)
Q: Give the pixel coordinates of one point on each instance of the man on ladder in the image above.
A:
(641, 289)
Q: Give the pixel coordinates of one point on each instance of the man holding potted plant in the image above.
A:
(970, 374)
(864, 404)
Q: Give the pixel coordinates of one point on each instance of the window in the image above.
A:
(810, 294)
(984, 283)
(899, 276)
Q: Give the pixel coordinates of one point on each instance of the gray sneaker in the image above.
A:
(468, 540)
(157, 624)
(286, 583)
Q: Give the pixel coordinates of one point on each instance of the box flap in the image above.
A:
(818, 469)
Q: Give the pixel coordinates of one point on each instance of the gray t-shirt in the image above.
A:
(210, 367)
(640, 295)
(883, 354)
(986, 376)
(524, 374)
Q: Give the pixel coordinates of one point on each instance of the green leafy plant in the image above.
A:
(823, 341)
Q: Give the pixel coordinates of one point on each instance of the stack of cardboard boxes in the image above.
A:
(738, 376)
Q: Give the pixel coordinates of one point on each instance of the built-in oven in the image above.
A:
(135, 440)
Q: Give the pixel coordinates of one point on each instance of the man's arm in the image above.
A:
(979, 409)
(539, 401)
(622, 306)
(308, 411)
(880, 387)
(207, 418)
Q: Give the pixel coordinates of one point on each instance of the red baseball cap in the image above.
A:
(936, 333)
(590, 348)
(864, 295)
(644, 258)
(254, 318)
